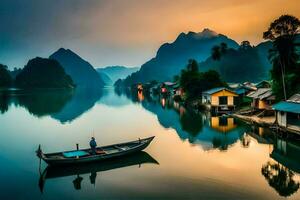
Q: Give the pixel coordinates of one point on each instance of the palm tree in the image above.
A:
(282, 32)
(216, 53)
(223, 48)
(219, 50)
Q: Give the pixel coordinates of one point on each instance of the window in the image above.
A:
(223, 100)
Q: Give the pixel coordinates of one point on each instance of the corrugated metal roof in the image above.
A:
(261, 93)
(287, 107)
(214, 90)
(295, 98)
(169, 83)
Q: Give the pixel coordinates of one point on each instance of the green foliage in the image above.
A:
(194, 82)
(284, 57)
(244, 61)
(43, 73)
(177, 98)
(118, 83)
(5, 78)
(218, 51)
(191, 123)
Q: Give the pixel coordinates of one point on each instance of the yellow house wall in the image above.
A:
(230, 101)
(262, 105)
(214, 100)
(215, 97)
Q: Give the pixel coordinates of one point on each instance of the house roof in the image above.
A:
(234, 85)
(169, 83)
(215, 90)
(261, 93)
(287, 107)
(240, 90)
(295, 98)
(261, 83)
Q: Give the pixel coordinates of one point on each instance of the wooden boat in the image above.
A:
(94, 168)
(86, 155)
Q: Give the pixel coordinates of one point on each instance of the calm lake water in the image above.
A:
(193, 156)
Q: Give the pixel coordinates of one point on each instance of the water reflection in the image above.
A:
(245, 161)
(93, 169)
(82, 100)
(209, 132)
(4, 102)
(280, 178)
(62, 105)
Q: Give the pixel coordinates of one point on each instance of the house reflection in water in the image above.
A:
(198, 128)
(223, 124)
(140, 96)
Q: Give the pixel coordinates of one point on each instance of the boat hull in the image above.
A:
(140, 145)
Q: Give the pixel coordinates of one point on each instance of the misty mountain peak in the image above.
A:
(63, 51)
(207, 33)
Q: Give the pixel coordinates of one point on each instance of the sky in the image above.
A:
(125, 32)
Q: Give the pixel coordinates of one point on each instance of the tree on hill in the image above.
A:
(194, 82)
(43, 73)
(286, 70)
(5, 78)
(229, 62)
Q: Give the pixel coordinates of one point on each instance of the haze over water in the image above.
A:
(193, 156)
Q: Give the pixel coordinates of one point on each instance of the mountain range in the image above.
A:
(116, 72)
(171, 58)
(81, 71)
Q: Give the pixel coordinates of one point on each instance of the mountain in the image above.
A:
(117, 72)
(171, 58)
(250, 63)
(82, 72)
(106, 79)
(43, 73)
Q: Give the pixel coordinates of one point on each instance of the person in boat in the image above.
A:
(93, 145)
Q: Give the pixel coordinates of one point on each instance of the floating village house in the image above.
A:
(172, 89)
(262, 99)
(288, 114)
(220, 100)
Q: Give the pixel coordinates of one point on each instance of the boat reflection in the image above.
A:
(51, 172)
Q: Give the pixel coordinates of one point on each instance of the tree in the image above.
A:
(245, 45)
(5, 78)
(280, 178)
(223, 48)
(285, 72)
(44, 73)
(219, 50)
(194, 82)
(216, 53)
(193, 66)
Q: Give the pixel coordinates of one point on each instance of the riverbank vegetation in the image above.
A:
(5, 77)
(38, 73)
(194, 82)
(43, 73)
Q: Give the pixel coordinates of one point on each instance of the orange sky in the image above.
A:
(143, 22)
(126, 32)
